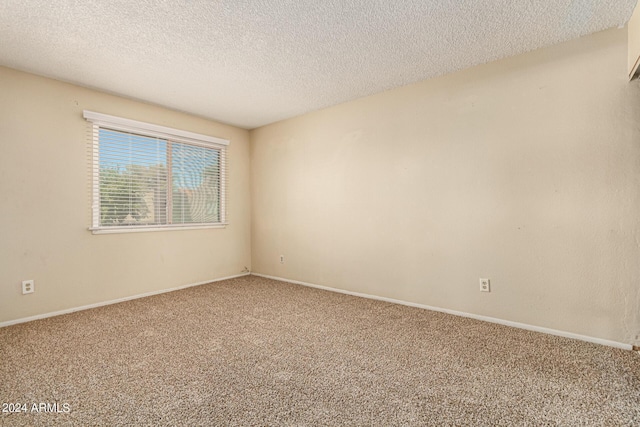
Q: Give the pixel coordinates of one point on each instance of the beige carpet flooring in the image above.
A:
(252, 351)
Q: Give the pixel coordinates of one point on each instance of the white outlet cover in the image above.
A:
(485, 285)
(28, 287)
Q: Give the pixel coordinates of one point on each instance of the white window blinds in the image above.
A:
(148, 177)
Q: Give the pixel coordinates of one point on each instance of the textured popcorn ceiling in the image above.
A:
(250, 63)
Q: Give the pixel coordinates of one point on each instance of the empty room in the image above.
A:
(305, 213)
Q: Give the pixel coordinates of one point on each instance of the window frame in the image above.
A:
(99, 121)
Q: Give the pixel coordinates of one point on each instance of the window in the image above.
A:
(149, 177)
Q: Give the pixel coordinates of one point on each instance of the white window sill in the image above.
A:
(144, 228)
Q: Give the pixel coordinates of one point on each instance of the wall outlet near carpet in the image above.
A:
(28, 287)
(281, 259)
(485, 285)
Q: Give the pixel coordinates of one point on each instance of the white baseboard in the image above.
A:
(461, 313)
(114, 301)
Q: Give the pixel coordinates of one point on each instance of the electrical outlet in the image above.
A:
(485, 285)
(281, 259)
(28, 286)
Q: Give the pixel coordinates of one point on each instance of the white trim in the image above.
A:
(95, 177)
(141, 228)
(222, 192)
(162, 131)
(462, 314)
(114, 301)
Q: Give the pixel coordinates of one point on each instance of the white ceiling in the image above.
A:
(250, 63)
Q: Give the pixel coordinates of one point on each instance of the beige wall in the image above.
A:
(633, 26)
(44, 211)
(525, 170)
